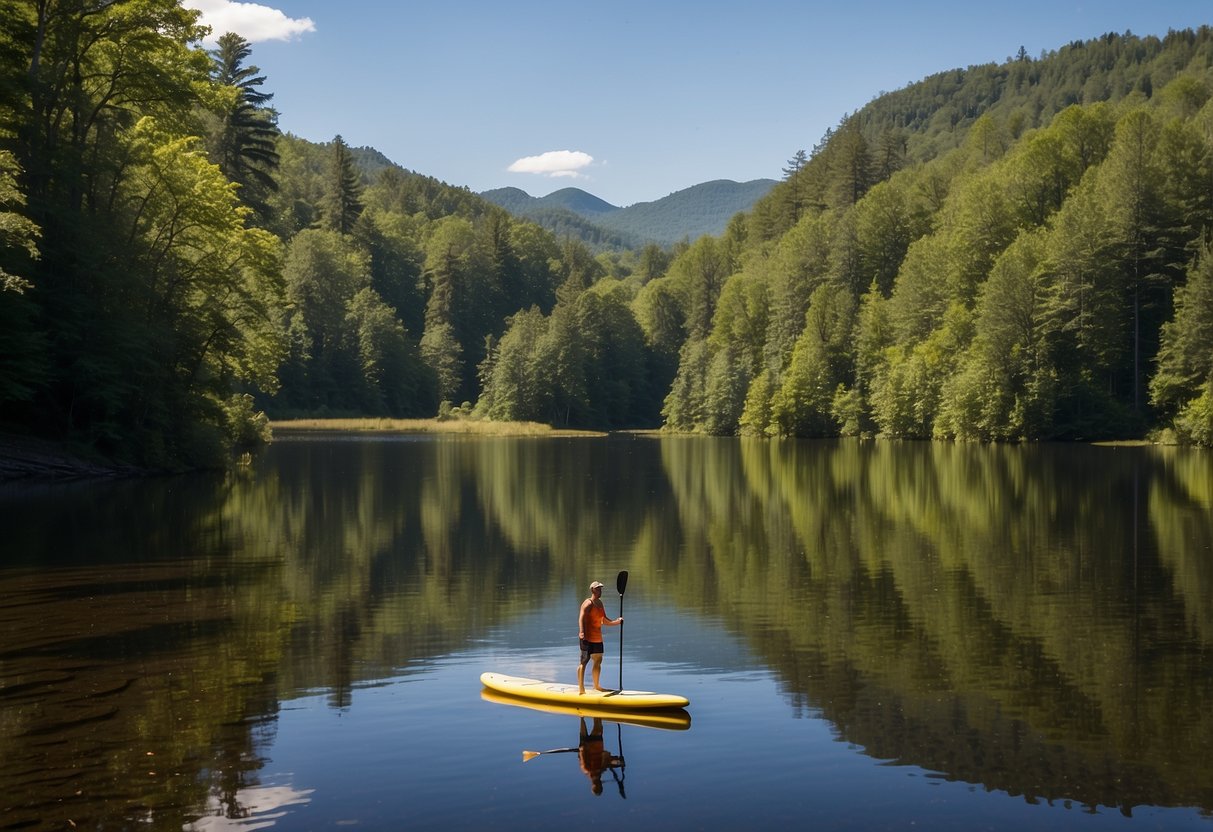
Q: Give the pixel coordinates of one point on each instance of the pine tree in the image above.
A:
(798, 161)
(851, 165)
(342, 204)
(245, 145)
(794, 190)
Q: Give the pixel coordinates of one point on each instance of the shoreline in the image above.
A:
(453, 427)
(24, 458)
(29, 459)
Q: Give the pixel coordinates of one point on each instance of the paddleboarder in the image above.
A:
(590, 621)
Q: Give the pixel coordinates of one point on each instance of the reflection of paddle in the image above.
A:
(619, 778)
(621, 583)
(530, 755)
(623, 767)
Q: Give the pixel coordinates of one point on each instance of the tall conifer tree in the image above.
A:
(343, 196)
(245, 146)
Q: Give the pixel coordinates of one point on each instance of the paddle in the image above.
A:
(530, 755)
(621, 583)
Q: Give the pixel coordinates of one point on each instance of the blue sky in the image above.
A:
(630, 101)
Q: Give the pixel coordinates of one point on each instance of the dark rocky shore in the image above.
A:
(26, 458)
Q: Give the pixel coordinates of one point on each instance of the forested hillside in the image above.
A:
(688, 214)
(173, 265)
(1017, 251)
(1010, 252)
(1003, 253)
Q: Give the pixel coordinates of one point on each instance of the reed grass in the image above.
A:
(467, 427)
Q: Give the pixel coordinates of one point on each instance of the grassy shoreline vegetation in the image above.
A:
(455, 427)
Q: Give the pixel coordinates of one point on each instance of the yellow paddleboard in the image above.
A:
(671, 720)
(614, 700)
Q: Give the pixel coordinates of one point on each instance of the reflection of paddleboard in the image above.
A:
(671, 720)
(615, 700)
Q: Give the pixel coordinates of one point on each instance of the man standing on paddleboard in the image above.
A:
(589, 631)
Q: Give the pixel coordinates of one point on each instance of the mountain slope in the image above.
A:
(689, 213)
(936, 112)
(928, 119)
(579, 202)
(686, 214)
(514, 200)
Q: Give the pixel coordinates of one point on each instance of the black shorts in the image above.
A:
(589, 648)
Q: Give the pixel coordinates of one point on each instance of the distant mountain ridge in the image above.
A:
(687, 214)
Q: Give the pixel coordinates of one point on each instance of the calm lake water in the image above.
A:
(873, 635)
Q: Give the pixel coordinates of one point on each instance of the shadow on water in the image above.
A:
(1034, 620)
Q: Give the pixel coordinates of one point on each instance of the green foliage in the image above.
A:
(587, 365)
(392, 379)
(615, 358)
(152, 302)
(756, 415)
(726, 383)
(887, 221)
(396, 261)
(18, 233)
(342, 201)
(561, 351)
(1008, 252)
(799, 265)
(937, 110)
(1194, 422)
(23, 359)
(443, 355)
(245, 426)
(516, 387)
(685, 408)
(216, 280)
(688, 214)
(907, 389)
(563, 223)
(1004, 388)
(349, 350)
(243, 143)
(1017, 286)
(821, 361)
(1183, 386)
(699, 275)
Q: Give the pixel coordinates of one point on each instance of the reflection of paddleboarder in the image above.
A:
(590, 620)
(594, 757)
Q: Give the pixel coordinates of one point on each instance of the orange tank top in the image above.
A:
(593, 625)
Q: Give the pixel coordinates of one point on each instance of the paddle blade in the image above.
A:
(530, 755)
(621, 582)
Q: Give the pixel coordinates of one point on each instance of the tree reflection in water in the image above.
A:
(1036, 620)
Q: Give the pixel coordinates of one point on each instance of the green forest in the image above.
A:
(1009, 252)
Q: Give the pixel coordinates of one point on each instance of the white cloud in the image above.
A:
(554, 163)
(252, 21)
